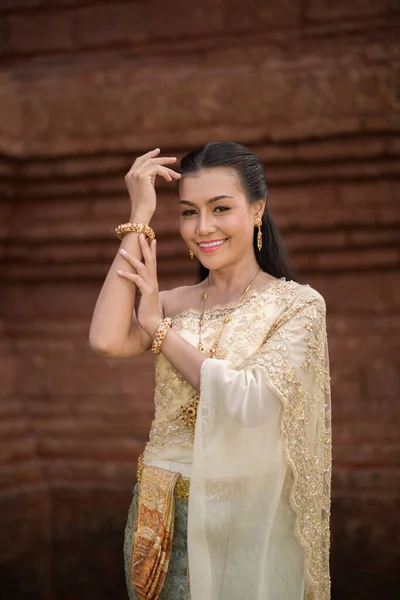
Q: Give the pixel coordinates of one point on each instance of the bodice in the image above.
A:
(169, 439)
(264, 429)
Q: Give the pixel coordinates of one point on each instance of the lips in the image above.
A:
(211, 246)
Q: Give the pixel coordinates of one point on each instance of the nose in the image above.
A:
(205, 225)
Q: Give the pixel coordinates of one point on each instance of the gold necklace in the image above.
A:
(214, 349)
(188, 412)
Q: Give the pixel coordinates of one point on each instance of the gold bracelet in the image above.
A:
(124, 228)
(160, 335)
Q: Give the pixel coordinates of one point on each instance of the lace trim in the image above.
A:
(311, 467)
(241, 339)
(216, 308)
(310, 464)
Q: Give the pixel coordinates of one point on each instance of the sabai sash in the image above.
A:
(152, 543)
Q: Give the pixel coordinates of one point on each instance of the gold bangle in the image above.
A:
(160, 335)
(124, 228)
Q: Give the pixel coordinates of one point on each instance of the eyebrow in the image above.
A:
(208, 201)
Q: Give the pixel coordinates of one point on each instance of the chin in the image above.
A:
(213, 265)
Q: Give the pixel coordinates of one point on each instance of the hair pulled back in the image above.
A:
(272, 258)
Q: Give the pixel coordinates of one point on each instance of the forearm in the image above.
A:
(112, 317)
(186, 359)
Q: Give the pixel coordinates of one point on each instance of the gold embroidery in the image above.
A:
(265, 344)
(241, 337)
(310, 462)
(227, 488)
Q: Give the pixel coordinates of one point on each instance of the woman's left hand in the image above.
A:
(149, 313)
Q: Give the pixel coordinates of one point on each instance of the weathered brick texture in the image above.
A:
(312, 88)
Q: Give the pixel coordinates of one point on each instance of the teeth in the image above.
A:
(211, 244)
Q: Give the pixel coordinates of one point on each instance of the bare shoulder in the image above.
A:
(179, 299)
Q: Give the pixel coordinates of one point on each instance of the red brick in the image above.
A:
(340, 9)
(259, 15)
(29, 33)
(8, 369)
(178, 18)
(318, 102)
(96, 26)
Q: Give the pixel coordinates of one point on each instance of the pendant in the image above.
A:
(188, 412)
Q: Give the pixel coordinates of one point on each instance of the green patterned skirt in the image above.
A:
(176, 585)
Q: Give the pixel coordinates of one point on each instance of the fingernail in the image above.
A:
(119, 272)
(123, 251)
(141, 235)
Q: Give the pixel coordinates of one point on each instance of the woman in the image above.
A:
(233, 499)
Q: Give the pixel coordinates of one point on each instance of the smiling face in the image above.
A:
(216, 219)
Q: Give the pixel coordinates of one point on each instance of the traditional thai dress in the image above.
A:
(254, 523)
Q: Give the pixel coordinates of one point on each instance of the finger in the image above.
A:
(153, 248)
(164, 172)
(138, 168)
(174, 174)
(136, 279)
(132, 260)
(145, 248)
(149, 259)
(136, 264)
(160, 160)
(141, 159)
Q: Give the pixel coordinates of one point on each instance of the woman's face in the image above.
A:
(214, 209)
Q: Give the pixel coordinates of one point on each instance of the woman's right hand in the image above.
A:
(141, 177)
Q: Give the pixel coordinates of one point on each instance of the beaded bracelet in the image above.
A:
(160, 335)
(124, 228)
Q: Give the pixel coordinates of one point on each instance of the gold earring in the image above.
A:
(191, 254)
(259, 234)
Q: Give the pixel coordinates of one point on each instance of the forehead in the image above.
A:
(209, 183)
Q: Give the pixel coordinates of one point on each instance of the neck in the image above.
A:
(231, 279)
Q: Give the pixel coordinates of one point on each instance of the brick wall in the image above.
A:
(85, 86)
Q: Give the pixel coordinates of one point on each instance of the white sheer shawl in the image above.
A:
(258, 524)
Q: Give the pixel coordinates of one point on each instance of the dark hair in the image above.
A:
(273, 257)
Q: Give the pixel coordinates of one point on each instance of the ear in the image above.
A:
(258, 208)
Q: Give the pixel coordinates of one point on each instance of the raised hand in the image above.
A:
(141, 177)
(149, 313)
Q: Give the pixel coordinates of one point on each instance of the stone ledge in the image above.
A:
(217, 95)
(34, 31)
